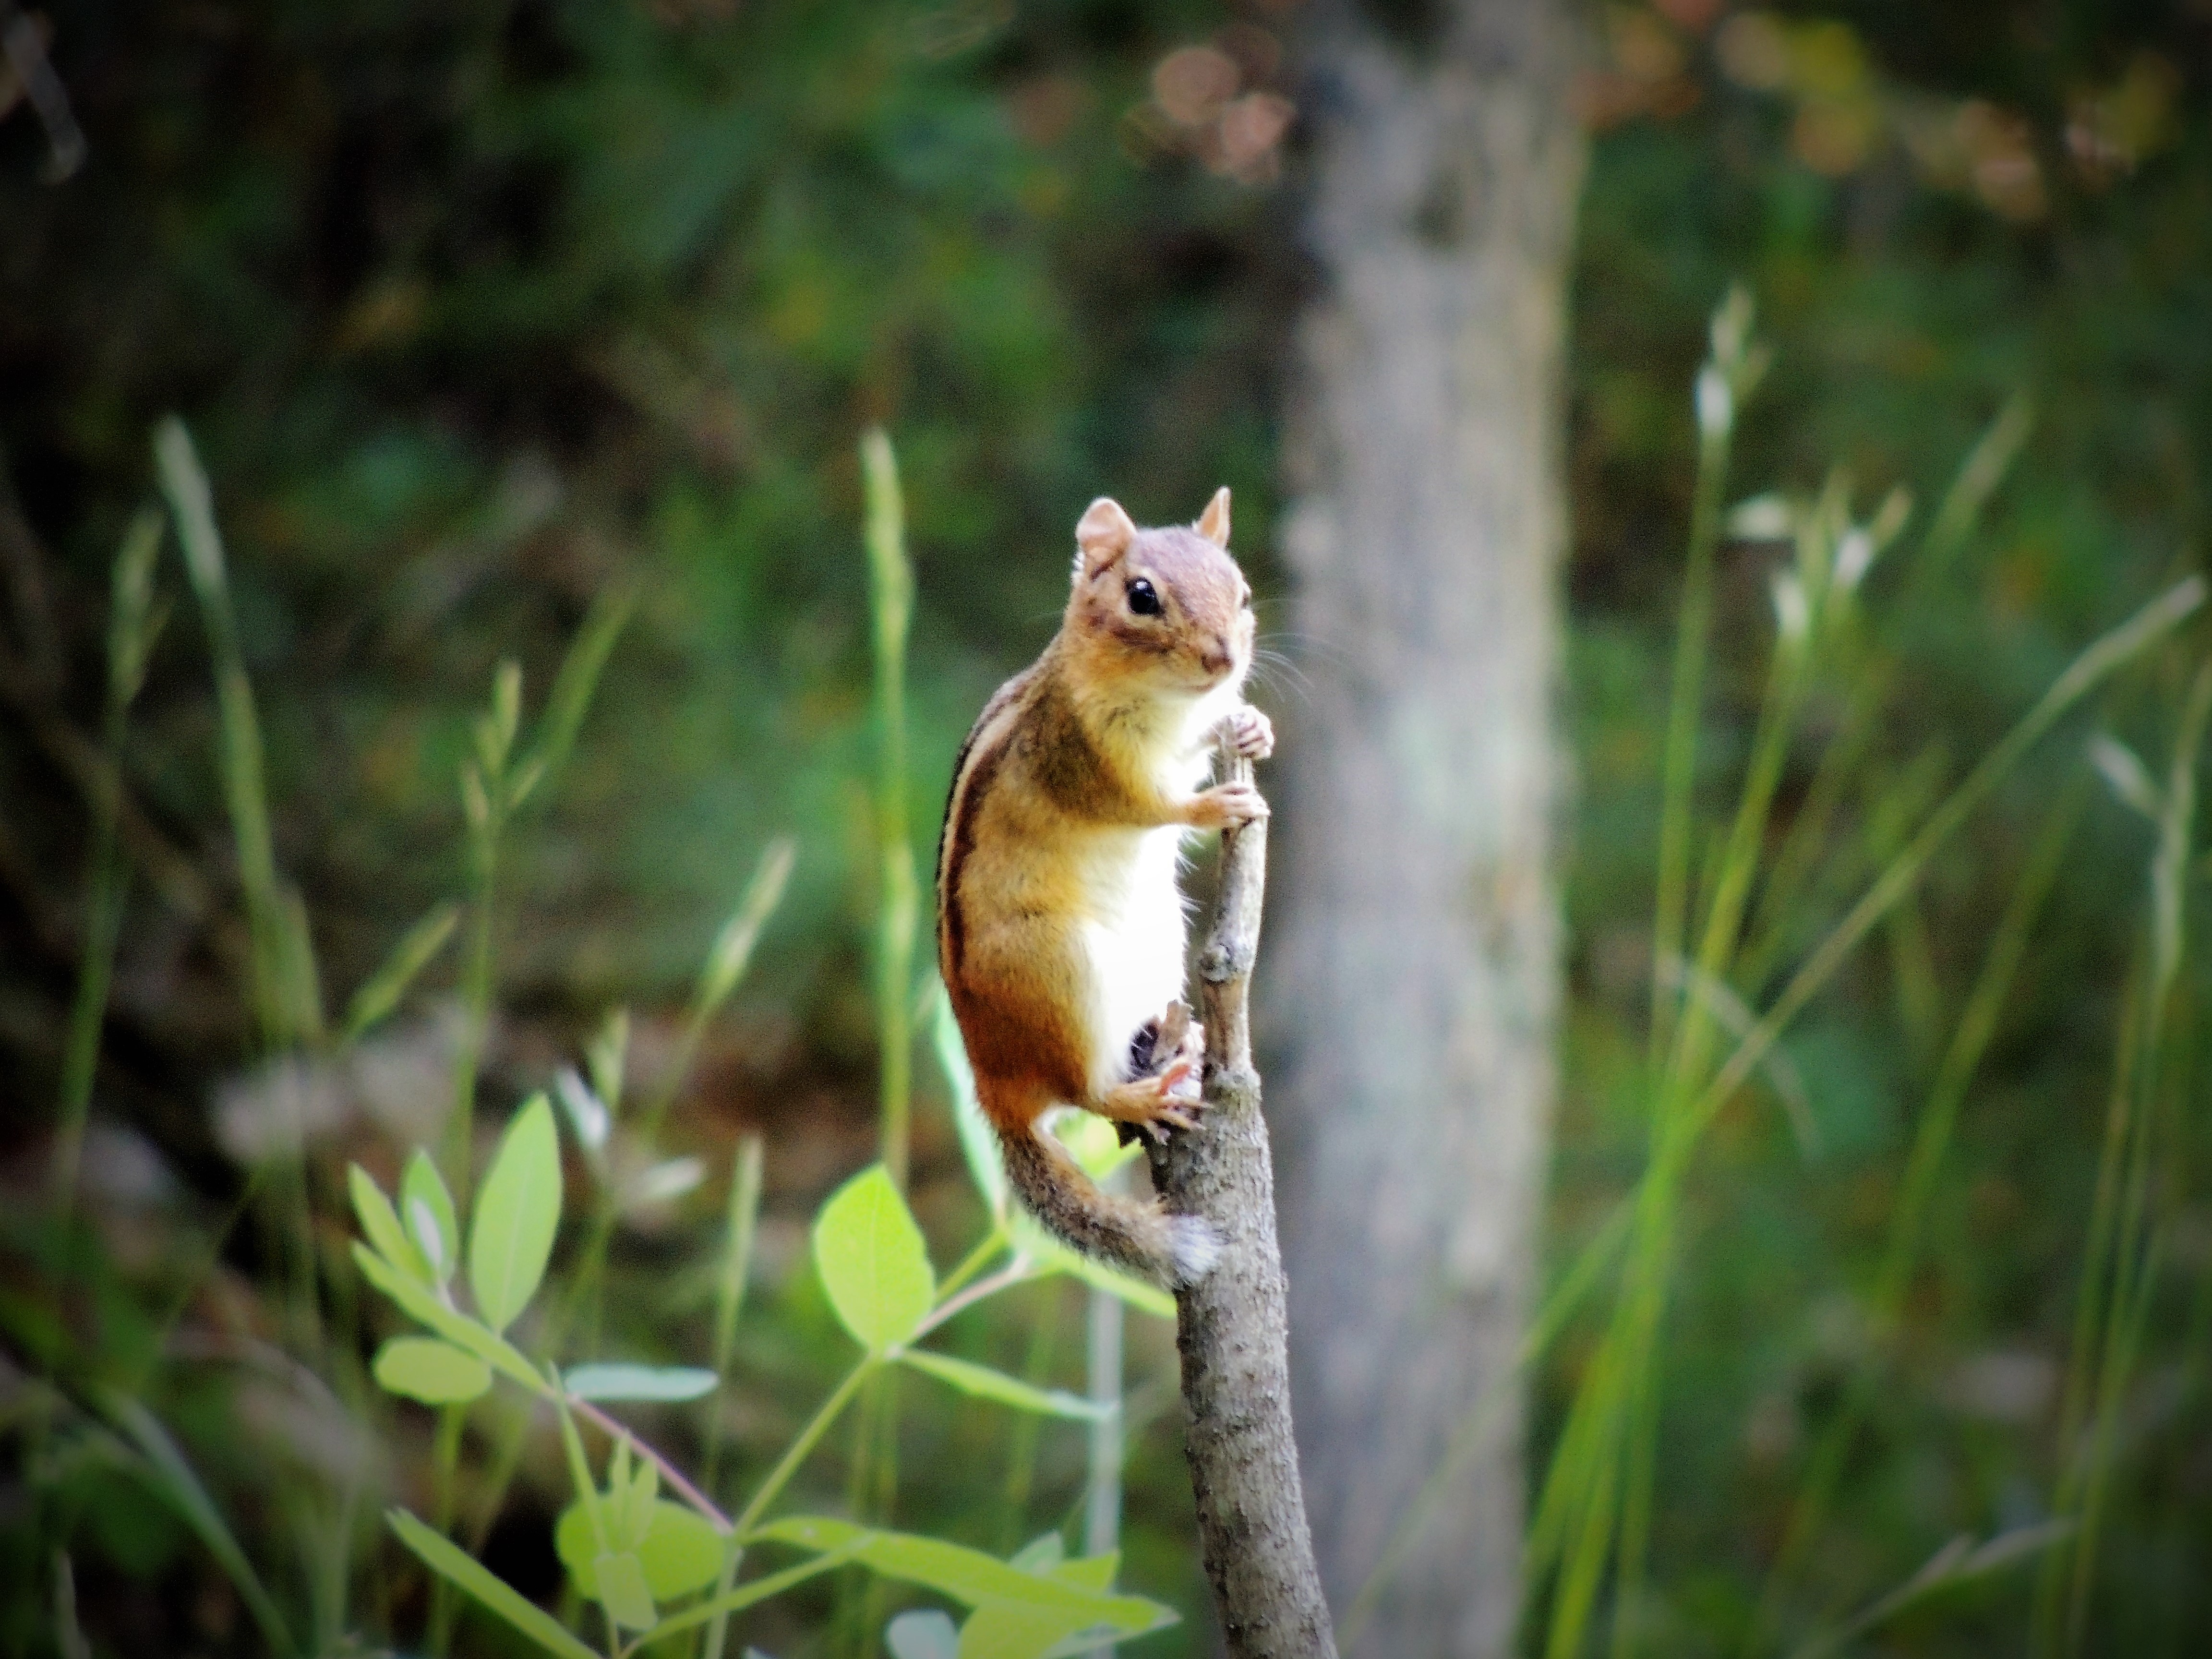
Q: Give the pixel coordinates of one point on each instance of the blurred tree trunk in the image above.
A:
(1416, 970)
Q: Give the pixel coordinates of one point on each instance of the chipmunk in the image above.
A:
(1060, 927)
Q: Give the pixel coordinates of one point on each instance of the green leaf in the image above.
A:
(1092, 1571)
(621, 1579)
(380, 1226)
(427, 1209)
(742, 1222)
(979, 1144)
(872, 1262)
(681, 1550)
(987, 1384)
(381, 992)
(449, 1561)
(1006, 1630)
(733, 949)
(420, 1303)
(638, 1381)
(1074, 1647)
(969, 1576)
(517, 1214)
(436, 1373)
(1043, 1553)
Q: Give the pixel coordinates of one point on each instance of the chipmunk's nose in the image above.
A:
(1216, 658)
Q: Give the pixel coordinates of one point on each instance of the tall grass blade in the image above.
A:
(1960, 1561)
(452, 1564)
(728, 957)
(131, 622)
(69, 1636)
(299, 982)
(245, 791)
(1615, 1395)
(2103, 658)
(1718, 395)
(1977, 1026)
(2123, 1246)
(574, 685)
(380, 993)
(739, 1225)
(174, 1479)
(890, 589)
(493, 786)
(1631, 1412)
(1984, 470)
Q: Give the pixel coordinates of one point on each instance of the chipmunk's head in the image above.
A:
(1167, 606)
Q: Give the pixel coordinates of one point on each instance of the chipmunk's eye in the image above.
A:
(1144, 598)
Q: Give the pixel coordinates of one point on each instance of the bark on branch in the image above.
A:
(1231, 1328)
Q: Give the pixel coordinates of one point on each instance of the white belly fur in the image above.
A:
(1135, 941)
(1138, 926)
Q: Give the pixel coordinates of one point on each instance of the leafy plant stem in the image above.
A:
(730, 1286)
(671, 1477)
(800, 1449)
(476, 990)
(445, 1462)
(890, 583)
(1013, 1274)
(1102, 1506)
(973, 1262)
(1021, 1456)
(1685, 702)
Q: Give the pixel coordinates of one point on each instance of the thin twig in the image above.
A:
(1013, 1274)
(1231, 1327)
(671, 1476)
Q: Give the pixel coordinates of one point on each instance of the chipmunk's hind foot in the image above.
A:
(1163, 1092)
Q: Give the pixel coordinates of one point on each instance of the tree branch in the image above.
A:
(1231, 1328)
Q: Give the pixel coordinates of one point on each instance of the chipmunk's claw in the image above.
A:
(1250, 733)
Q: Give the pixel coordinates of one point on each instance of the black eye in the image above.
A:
(1144, 598)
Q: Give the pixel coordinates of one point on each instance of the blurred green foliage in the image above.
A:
(476, 311)
(470, 309)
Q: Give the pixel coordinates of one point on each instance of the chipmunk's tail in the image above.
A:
(1173, 1250)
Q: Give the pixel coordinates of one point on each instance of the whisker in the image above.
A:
(1289, 667)
(1309, 644)
(1283, 679)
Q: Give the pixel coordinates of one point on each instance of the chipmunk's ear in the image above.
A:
(1213, 523)
(1101, 534)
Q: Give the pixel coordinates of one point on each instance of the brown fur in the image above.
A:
(1070, 747)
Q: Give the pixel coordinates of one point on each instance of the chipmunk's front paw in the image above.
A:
(1250, 733)
(1227, 805)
